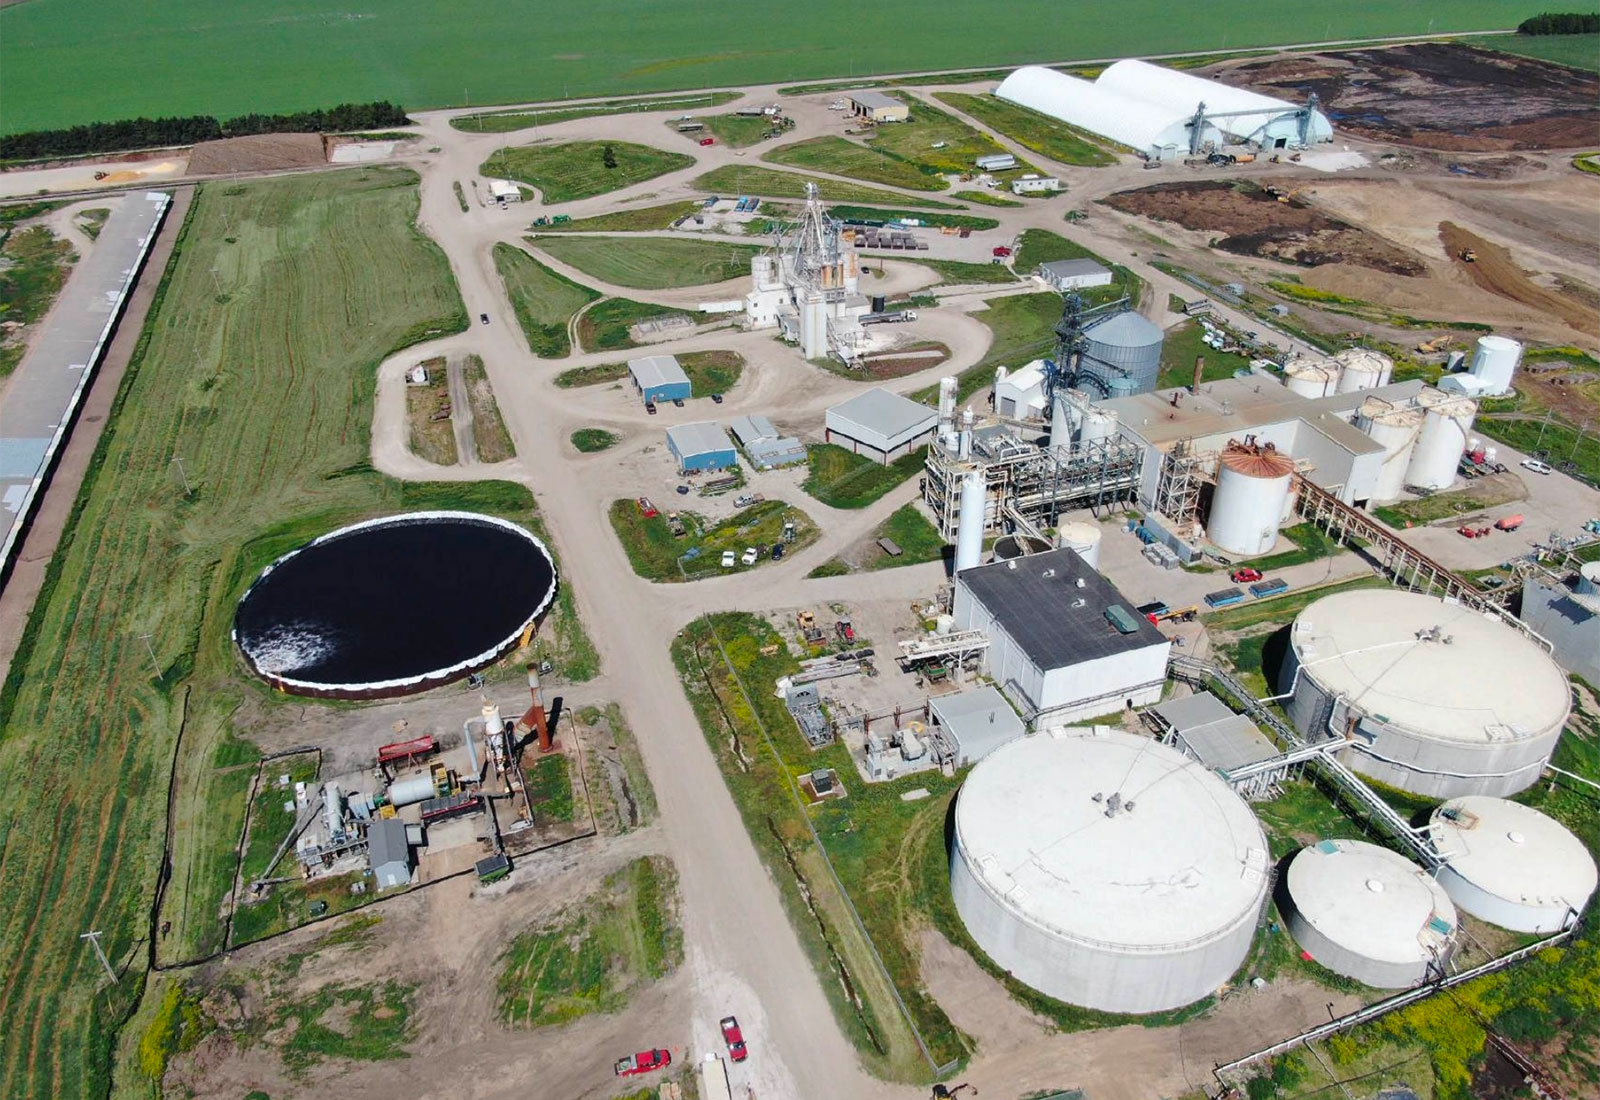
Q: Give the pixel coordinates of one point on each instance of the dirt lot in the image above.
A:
(1252, 222)
(1495, 271)
(258, 153)
(1438, 96)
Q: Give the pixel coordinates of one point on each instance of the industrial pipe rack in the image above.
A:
(1040, 483)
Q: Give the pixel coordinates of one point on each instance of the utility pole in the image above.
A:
(94, 938)
(1540, 441)
(1577, 441)
(155, 665)
(216, 281)
(188, 490)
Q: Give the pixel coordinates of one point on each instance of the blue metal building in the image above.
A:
(701, 446)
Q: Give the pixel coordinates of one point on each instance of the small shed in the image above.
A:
(701, 446)
(996, 162)
(1205, 728)
(388, 853)
(659, 378)
(977, 722)
(1064, 275)
(767, 454)
(749, 429)
(878, 107)
(504, 191)
(881, 425)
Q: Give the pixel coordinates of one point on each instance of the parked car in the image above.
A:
(734, 1038)
(683, 490)
(717, 397)
(708, 141)
(483, 318)
(678, 401)
(643, 1062)
(1245, 575)
(1001, 251)
(647, 508)
(1536, 466)
(728, 559)
(650, 407)
(749, 556)
(777, 552)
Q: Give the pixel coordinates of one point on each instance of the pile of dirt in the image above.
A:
(1253, 222)
(1438, 95)
(258, 153)
(1494, 270)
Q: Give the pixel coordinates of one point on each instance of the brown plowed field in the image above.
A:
(1495, 271)
(257, 153)
(1254, 223)
(1438, 95)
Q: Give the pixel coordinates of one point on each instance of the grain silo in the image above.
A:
(1083, 537)
(1363, 369)
(1442, 440)
(1251, 498)
(1494, 362)
(1396, 427)
(1369, 913)
(1431, 696)
(1107, 870)
(1512, 865)
(1311, 376)
(1124, 345)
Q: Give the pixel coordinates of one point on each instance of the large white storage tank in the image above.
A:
(1108, 871)
(1124, 345)
(1363, 369)
(1311, 376)
(1432, 697)
(1369, 913)
(1442, 441)
(1098, 424)
(1396, 427)
(1512, 865)
(1495, 362)
(1251, 497)
(1082, 537)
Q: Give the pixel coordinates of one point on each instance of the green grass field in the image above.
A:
(736, 179)
(709, 372)
(544, 301)
(606, 325)
(1185, 341)
(870, 162)
(651, 263)
(502, 122)
(577, 169)
(627, 221)
(488, 426)
(873, 213)
(1581, 51)
(910, 530)
(739, 131)
(590, 440)
(1024, 330)
(1039, 133)
(842, 479)
(73, 61)
(657, 555)
(985, 198)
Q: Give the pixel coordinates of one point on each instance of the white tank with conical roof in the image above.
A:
(1442, 440)
(1363, 369)
(1311, 376)
(1396, 427)
(1082, 537)
(1512, 865)
(1252, 494)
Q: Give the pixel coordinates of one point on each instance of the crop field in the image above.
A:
(1039, 133)
(74, 61)
(841, 157)
(628, 221)
(651, 263)
(736, 179)
(582, 169)
(502, 122)
(544, 302)
(323, 275)
(1580, 51)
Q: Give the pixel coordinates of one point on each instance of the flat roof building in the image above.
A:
(1204, 728)
(504, 191)
(660, 378)
(878, 107)
(1064, 644)
(388, 853)
(768, 454)
(977, 722)
(881, 425)
(748, 429)
(1063, 275)
(701, 446)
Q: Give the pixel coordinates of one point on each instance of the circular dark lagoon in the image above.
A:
(395, 605)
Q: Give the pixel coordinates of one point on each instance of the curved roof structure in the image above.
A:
(1125, 330)
(1124, 119)
(1181, 93)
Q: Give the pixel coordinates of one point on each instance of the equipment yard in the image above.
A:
(803, 592)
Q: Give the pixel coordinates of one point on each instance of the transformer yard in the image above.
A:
(892, 585)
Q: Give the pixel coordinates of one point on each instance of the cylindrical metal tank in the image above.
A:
(1252, 495)
(1007, 547)
(1442, 439)
(1368, 913)
(1512, 865)
(412, 789)
(1082, 537)
(1125, 344)
(1107, 871)
(1495, 361)
(1311, 376)
(1589, 578)
(1396, 427)
(1098, 424)
(1429, 696)
(1363, 369)
(1060, 422)
(970, 521)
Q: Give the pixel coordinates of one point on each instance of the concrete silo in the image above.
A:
(1252, 495)
(1363, 369)
(1124, 345)
(1098, 423)
(1431, 697)
(1442, 440)
(1512, 865)
(1311, 376)
(1107, 870)
(1396, 427)
(1494, 362)
(1082, 537)
(1368, 913)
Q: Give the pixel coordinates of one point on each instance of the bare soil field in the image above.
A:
(1438, 96)
(258, 153)
(1252, 222)
(1495, 271)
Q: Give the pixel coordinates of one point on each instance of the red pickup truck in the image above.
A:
(1001, 251)
(644, 1062)
(734, 1038)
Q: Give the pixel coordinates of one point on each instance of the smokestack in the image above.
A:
(1199, 372)
(969, 524)
(535, 720)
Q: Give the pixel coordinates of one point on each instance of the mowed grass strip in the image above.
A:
(488, 426)
(843, 479)
(651, 263)
(580, 169)
(1033, 131)
(544, 301)
(628, 221)
(267, 395)
(500, 122)
(875, 163)
(737, 179)
(608, 325)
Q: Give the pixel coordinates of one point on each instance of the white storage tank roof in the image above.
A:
(1512, 865)
(1368, 913)
(1082, 537)
(1311, 376)
(1363, 369)
(1108, 871)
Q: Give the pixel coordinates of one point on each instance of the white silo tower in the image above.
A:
(970, 521)
(1098, 423)
(1369, 913)
(1082, 537)
(1311, 376)
(1512, 865)
(1396, 427)
(1252, 495)
(1442, 439)
(1495, 362)
(1107, 871)
(1363, 369)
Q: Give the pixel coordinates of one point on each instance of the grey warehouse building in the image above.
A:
(388, 852)
(1064, 275)
(881, 425)
(977, 722)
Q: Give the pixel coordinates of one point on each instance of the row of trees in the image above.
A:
(1570, 22)
(144, 133)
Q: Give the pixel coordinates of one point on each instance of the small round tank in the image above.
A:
(1512, 865)
(1396, 427)
(1495, 361)
(1098, 424)
(1311, 376)
(1252, 494)
(1442, 440)
(1082, 537)
(412, 789)
(1363, 369)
